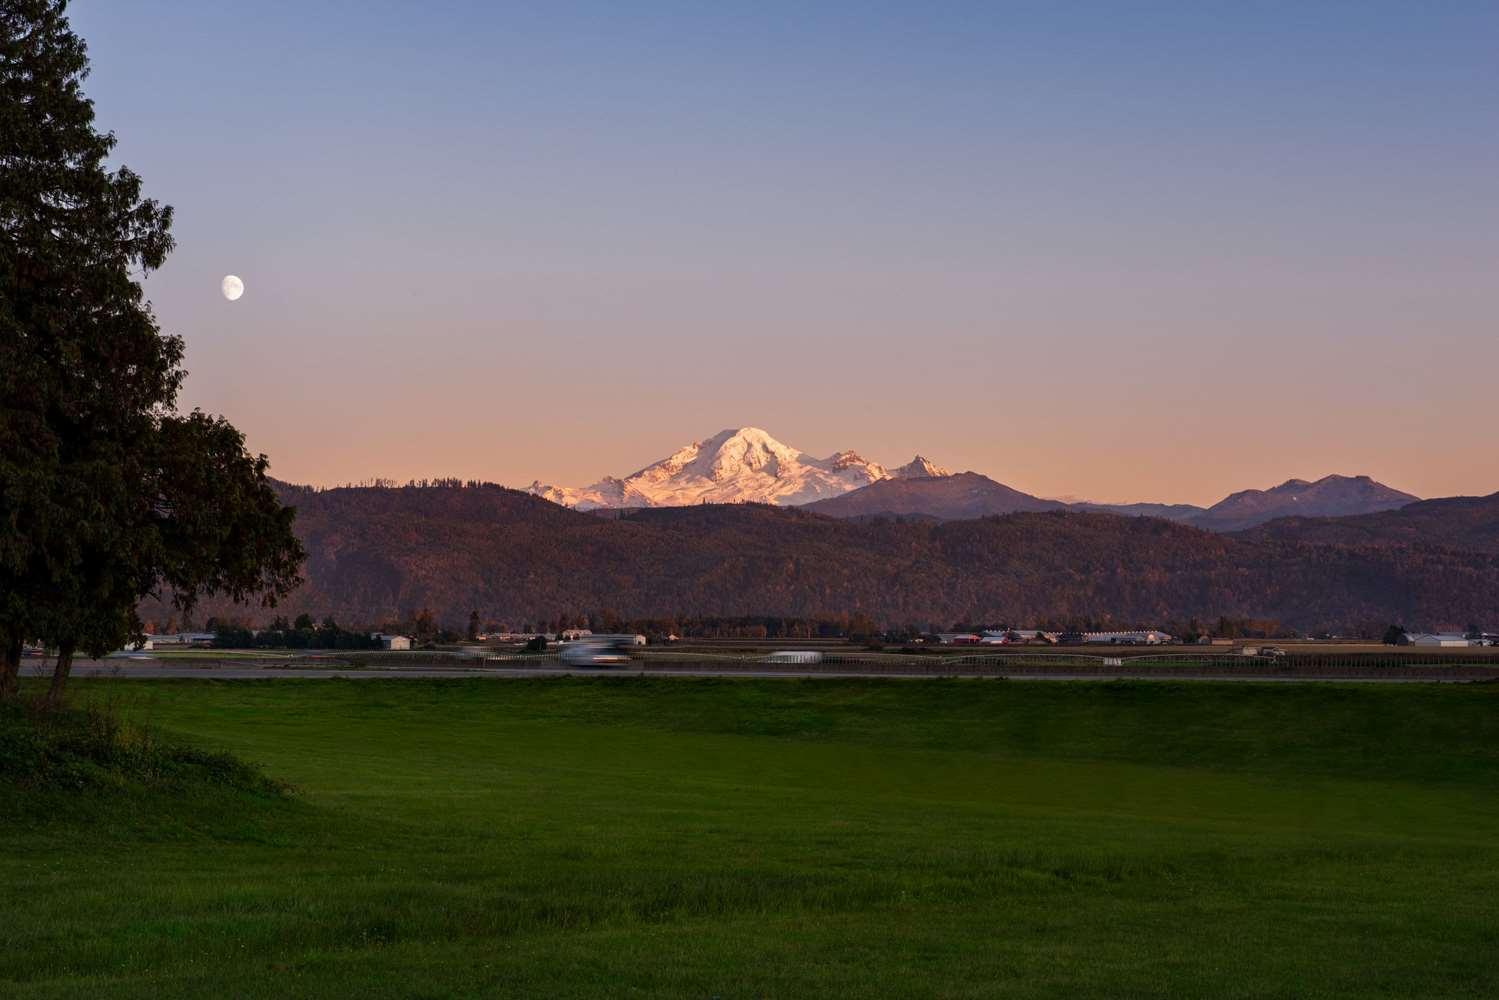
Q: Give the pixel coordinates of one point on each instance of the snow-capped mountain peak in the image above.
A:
(920, 468)
(737, 465)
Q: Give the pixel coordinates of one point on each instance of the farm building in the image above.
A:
(1016, 636)
(1146, 637)
(393, 641)
(1445, 640)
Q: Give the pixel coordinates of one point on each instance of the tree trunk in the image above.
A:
(60, 673)
(10, 668)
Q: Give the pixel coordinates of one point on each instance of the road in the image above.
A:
(147, 670)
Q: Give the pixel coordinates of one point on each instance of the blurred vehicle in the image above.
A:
(1274, 652)
(794, 656)
(617, 638)
(592, 653)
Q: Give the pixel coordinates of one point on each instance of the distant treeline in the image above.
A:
(300, 634)
(860, 626)
(422, 626)
(378, 483)
(731, 570)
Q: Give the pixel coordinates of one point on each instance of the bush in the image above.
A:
(93, 747)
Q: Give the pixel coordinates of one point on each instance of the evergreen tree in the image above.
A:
(106, 493)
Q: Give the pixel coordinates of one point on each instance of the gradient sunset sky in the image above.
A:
(1122, 251)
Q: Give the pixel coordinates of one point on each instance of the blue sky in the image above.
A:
(1119, 250)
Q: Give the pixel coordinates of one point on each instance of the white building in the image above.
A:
(1445, 640)
(393, 641)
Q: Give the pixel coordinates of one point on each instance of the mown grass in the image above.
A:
(673, 837)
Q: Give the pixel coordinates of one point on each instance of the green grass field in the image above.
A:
(716, 838)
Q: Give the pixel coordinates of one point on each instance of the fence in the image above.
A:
(1040, 664)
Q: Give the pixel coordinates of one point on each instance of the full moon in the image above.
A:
(232, 287)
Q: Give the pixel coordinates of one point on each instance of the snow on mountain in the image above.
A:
(607, 492)
(920, 468)
(734, 466)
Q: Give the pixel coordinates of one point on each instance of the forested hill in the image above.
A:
(1464, 523)
(946, 498)
(382, 553)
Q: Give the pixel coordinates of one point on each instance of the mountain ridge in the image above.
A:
(972, 494)
(1469, 524)
(382, 553)
(1330, 496)
(747, 464)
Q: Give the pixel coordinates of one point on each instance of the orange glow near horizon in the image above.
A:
(1151, 393)
(1125, 259)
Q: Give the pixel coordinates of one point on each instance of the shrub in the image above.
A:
(94, 747)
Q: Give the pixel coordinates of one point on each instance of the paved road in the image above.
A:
(147, 670)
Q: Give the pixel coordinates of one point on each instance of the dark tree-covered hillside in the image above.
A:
(1463, 523)
(376, 554)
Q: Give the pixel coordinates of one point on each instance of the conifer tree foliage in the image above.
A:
(107, 493)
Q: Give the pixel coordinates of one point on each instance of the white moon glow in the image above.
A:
(232, 287)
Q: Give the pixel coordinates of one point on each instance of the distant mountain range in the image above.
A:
(376, 554)
(1330, 496)
(748, 465)
(734, 466)
(741, 524)
(969, 494)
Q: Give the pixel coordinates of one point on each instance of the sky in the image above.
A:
(1120, 251)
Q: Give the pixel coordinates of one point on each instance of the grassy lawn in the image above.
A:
(717, 838)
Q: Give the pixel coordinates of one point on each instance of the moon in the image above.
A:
(232, 287)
